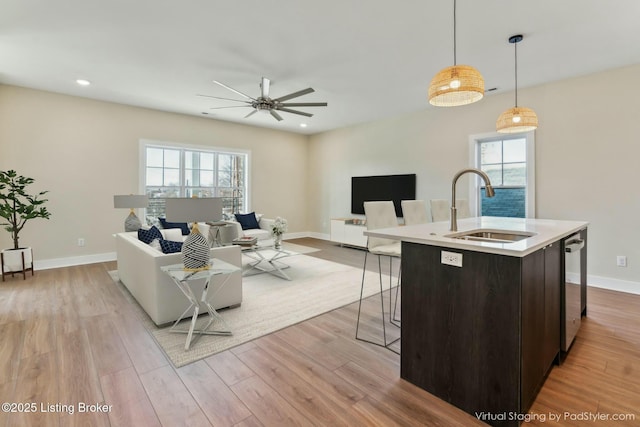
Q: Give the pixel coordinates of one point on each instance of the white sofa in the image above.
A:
(139, 270)
(262, 233)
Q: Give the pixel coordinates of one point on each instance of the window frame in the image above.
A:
(474, 162)
(147, 143)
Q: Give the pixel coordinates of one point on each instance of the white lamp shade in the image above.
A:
(130, 201)
(182, 209)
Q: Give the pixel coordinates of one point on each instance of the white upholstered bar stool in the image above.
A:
(380, 215)
(441, 209)
(414, 212)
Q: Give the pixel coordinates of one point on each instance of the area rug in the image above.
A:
(270, 304)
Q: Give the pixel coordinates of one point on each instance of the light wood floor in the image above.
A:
(68, 336)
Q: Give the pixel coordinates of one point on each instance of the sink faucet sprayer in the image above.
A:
(488, 189)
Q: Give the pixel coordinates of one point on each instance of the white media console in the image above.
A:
(349, 231)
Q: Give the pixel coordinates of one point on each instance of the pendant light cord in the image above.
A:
(515, 46)
(454, 33)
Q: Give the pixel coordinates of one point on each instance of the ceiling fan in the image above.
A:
(265, 103)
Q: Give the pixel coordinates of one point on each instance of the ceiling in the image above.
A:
(368, 60)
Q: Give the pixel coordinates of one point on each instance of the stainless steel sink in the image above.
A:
(492, 235)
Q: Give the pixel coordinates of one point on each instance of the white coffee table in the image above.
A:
(266, 259)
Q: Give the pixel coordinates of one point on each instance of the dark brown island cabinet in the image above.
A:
(483, 336)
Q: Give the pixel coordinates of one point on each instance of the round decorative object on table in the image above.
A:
(132, 222)
(195, 251)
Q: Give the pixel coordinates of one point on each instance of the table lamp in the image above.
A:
(195, 249)
(131, 201)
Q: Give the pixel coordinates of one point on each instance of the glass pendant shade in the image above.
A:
(517, 119)
(456, 85)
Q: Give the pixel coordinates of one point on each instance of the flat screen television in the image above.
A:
(382, 187)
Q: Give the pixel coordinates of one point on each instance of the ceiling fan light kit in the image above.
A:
(266, 104)
(517, 119)
(458, 84)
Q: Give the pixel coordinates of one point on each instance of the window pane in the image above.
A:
(154, 157)
(206, 161)
(224, 161)
(154, 176)
(190, 159)
(515, 174)
(191, 178)
(495, 174)
(491, 152)
(515, 150)
(171, 177)
(171, 159)
(206, 179)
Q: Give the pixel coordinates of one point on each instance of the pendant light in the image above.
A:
(517, 119)
(458, 84)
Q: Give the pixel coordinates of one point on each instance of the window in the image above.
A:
(509, 163)
(171, 171)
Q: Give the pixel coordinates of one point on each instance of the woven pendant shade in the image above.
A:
(456, 85)
(517, 119)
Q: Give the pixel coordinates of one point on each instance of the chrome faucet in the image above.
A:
(454, 211)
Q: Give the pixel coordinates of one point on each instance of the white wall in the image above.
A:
(587, 155)
(85, 151)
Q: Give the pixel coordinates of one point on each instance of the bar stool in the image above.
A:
(380, 215)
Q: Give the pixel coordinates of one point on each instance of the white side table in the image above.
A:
(183, 280)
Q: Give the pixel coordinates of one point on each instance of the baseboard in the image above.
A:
(71, 261)
(614, 284)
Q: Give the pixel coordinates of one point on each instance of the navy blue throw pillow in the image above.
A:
(248, 221)
(170, 247)
(183, 226)
(147, 236)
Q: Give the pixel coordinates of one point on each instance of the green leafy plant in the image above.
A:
(16, 206)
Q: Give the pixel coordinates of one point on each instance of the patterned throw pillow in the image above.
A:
(147, 236)
(181, 225)
(248, 221)
(170, 247)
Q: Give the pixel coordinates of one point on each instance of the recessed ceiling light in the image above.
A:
(303, 125)
(83, 82)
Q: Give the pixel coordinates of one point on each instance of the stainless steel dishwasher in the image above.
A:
(571, 302)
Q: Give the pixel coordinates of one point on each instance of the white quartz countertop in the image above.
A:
(546, 231)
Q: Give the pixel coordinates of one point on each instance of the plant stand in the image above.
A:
(16, 261)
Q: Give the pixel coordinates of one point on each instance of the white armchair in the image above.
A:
(261, 233)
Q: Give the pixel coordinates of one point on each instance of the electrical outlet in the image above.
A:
(81, 241)
(451, 258)
(621, 261)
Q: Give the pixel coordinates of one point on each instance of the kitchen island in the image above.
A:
(481, 313)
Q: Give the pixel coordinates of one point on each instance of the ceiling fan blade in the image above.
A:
(251, 113)
(219, 97)
(295, 94)
(265, 87)
(231, 106)
(304, 104)
(276, 115)
(302, 113)
(233, 90)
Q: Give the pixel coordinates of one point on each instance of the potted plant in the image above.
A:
(16, 208)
